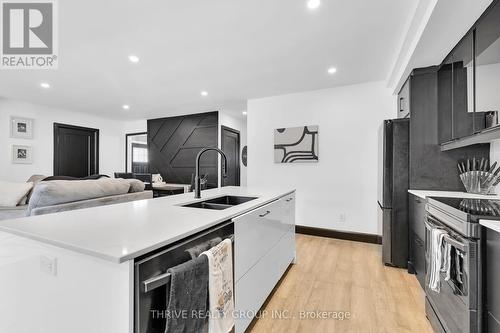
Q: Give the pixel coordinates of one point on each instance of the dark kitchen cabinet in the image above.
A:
(431, 168)
(493, 280)
(404, 101)
(455, 92)
(445, 104)
(487, 69)
(469, 82)
(416, 262)
(462, 85)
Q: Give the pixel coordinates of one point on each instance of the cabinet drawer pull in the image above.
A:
(265, 214)
(289, 199)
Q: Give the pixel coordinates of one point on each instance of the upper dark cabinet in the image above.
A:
(488, 67)
(463, 83)
(445, 95)
(445, 103)
(404, 101)
(469, 86)
(455, 92)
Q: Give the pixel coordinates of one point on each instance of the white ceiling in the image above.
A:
(235, 50)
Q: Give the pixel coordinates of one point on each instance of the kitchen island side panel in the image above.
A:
(78, 294)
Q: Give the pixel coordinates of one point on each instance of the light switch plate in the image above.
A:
(48, 265)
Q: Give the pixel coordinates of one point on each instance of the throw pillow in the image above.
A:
(136, 185)
(12, 193)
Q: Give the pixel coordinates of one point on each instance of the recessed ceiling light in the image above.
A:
(126, 107)
(45, 85)
(313, 4)
(204, 93)
(332, 70)
(244, 113)
(133, 58)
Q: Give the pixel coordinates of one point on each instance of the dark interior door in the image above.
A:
(76, 151)
(230, 145)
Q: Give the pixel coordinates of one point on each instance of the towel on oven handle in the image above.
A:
(436, 258)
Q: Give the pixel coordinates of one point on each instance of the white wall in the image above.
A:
(136, 126)
(344, 181)
(487, 87)
(111, 139)
(488, 99)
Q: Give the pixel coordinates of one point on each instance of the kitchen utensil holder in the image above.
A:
(479, 182)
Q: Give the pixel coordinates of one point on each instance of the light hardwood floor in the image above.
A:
(341, 276)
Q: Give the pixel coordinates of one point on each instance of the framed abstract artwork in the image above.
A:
(22, 154)
(296, 144)
(21, 128)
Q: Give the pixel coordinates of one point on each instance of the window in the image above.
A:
(139, 155)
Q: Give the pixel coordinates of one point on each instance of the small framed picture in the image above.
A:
(21, 128)
(22, 154)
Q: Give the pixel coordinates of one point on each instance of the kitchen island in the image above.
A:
(76, 271)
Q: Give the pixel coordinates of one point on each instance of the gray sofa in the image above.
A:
(63, 195)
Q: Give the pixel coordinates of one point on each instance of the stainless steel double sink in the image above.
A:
(220, 203)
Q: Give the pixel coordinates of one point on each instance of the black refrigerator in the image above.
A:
(393, 191)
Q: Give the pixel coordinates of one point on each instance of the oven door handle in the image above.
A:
(429, 224)
(455, 243)
(447, 238)
(432, 222)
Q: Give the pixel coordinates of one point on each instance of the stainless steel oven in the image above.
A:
(151, 280)
(457, 306)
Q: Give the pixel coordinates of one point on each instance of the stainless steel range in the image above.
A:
(455, 303)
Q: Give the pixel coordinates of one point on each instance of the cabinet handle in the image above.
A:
(289, 199)
(265, 214)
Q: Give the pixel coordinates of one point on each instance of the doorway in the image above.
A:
(136, 153)
(76, 151)
(230, 145)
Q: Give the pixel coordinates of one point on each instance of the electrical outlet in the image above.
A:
(342, 217)
(48, 265)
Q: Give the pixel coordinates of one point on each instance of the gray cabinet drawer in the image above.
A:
(493, 272)
(256, 232)
(417, 257)
(254, 287)
(417, 215)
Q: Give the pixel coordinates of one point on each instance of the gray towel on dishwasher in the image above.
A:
(188, 297)
(196, 250)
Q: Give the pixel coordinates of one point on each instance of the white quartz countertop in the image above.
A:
(125, 231)
(451, 194)
(491, 224)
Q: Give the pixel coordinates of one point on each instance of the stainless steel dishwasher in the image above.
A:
(151, 280)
